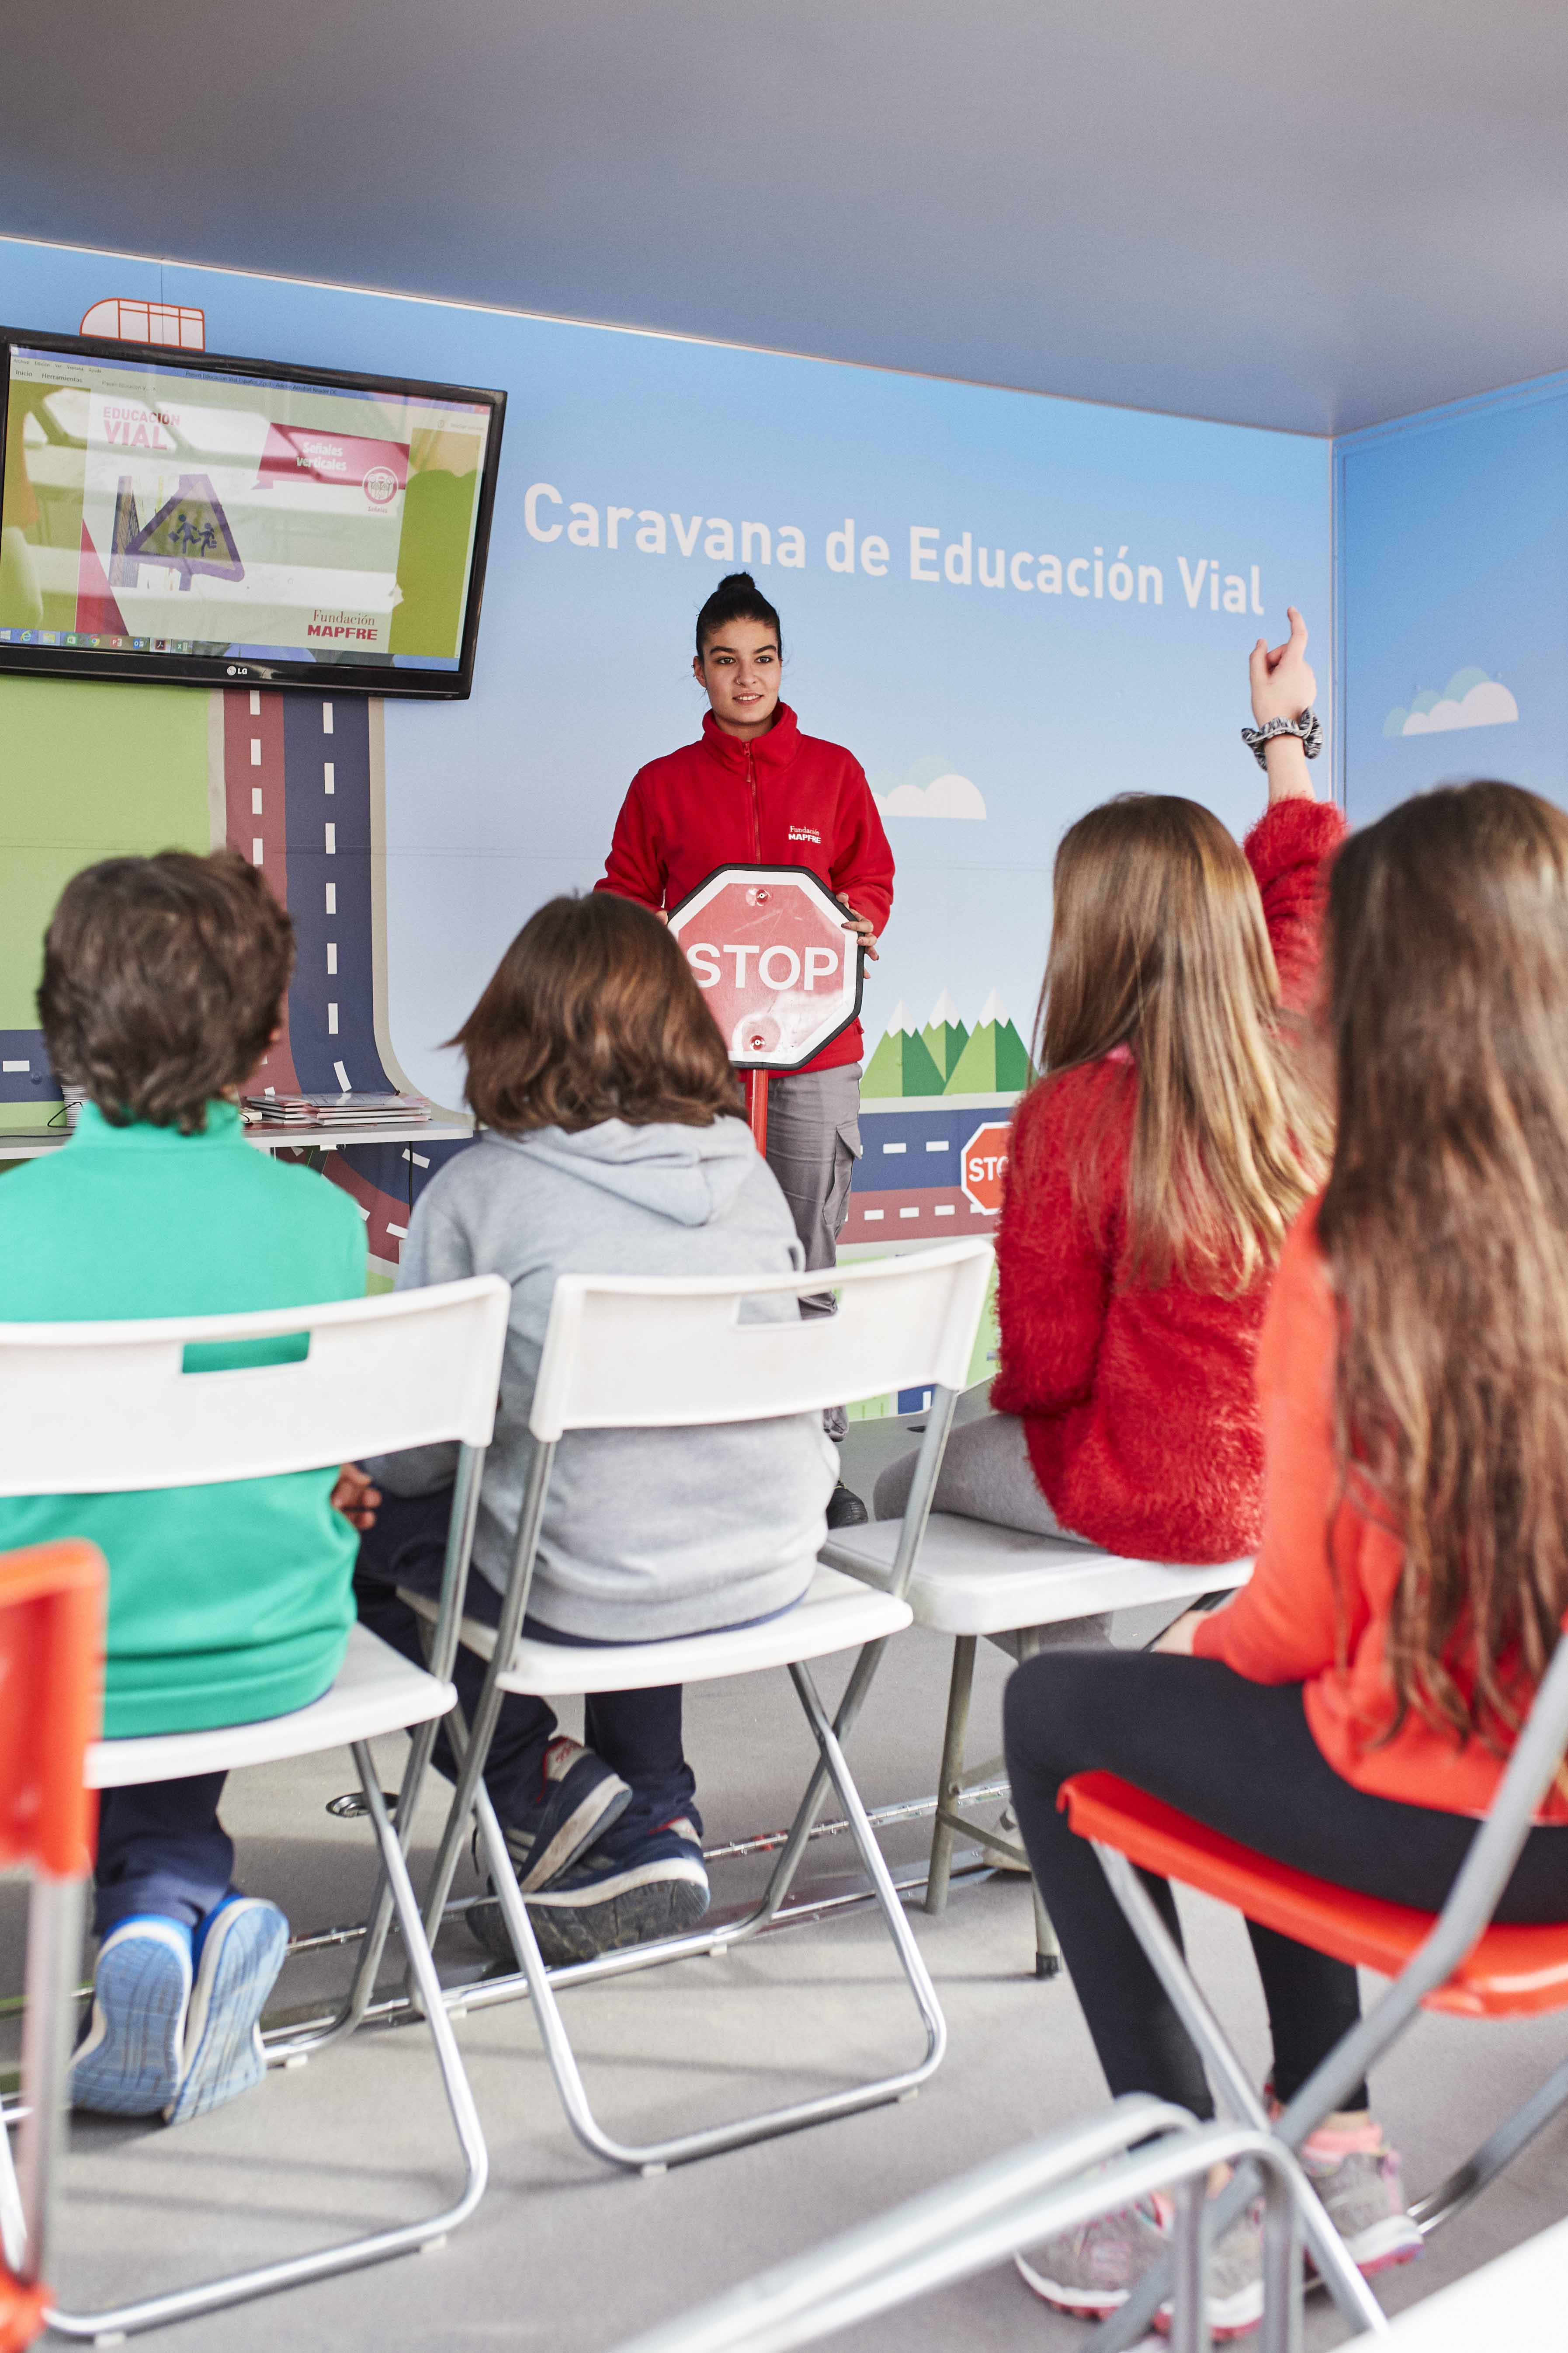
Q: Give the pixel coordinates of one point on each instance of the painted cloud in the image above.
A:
(1470, 699)
(928, 789)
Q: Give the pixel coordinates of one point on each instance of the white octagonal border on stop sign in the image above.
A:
(765, 1003)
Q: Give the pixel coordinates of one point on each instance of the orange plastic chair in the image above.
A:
(1453, 1960)
(1511, 1973)
(51, 1674)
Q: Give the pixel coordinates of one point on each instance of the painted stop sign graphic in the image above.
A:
(985, 1158)
(780, 973)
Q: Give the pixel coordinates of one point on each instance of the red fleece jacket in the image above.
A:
(785, 799)
(1140, 1405)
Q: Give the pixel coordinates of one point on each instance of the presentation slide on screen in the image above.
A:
(164, 509)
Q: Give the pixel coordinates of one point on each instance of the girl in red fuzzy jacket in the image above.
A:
(1156, 1164)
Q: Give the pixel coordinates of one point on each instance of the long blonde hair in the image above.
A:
(1158, 945)
(1445, 1227)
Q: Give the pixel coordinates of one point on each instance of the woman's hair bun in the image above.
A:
(736, 598)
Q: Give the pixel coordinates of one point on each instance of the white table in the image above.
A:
(37, 1143)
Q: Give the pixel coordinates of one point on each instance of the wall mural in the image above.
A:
(1007, 606)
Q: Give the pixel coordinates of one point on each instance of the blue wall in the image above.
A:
(1452, 544)
(1045, 702)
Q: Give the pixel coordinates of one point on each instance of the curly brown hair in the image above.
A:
(594, 1013)
(163, 981)
(1446, 1226)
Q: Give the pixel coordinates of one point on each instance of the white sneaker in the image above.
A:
(1091, 2271)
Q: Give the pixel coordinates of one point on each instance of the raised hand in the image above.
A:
(1283, 685)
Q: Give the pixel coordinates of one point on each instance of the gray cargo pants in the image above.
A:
(814, 1141)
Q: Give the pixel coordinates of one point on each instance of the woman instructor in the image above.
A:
(754, 791)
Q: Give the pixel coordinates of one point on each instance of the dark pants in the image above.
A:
(1239, 1756)
(161, 1847)
(637, 1733)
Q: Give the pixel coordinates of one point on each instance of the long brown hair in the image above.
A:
(1446, 1225)
(1159, 944)
(594, 1013)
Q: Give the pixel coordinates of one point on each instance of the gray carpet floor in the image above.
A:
(566, 2255)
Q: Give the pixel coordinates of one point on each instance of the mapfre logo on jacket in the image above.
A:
(806, 833)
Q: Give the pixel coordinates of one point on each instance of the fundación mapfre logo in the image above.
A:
(985, 1163)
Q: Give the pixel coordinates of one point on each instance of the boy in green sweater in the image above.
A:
(163, 984)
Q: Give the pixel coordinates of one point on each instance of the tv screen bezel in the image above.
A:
(220, 669)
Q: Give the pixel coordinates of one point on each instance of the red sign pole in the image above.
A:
(757, 1107)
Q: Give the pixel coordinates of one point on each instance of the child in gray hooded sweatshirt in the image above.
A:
(611, 1145)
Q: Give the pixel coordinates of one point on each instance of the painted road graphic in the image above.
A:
(296, 791)
(908, 1180)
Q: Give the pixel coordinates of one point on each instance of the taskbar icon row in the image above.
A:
(97, 643)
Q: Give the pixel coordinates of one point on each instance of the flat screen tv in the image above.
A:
(207, 519)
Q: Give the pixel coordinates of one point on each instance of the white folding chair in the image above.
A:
(974, 1580)
(91, 1408)
(1124, 2152)
(651, 1354)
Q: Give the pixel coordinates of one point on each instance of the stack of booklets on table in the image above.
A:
(336, 1111)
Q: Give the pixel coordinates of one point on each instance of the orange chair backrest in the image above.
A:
(51, 1704)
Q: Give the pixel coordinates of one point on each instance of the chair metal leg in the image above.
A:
(1467, 2180)
(285, 2049)
(1189, 2315)
(950, 1777)
(13, 2230)
(1282, 2267)
(1338, 2272)
(440, 1646)
(1048, 1951)
(967, 2226)
(953, 1784)
(54, 1916)
(655, 2157)
(350, 2254)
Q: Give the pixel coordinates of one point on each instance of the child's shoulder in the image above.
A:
(1067, 1100)
(1075, 1125)
(30, 1193)
(308, 1201)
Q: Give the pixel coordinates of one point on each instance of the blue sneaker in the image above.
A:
(129, 2061)
(610, 1899)
(579, 1799)
(240, 1950)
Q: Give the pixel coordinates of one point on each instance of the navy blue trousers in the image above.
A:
(162, 1849)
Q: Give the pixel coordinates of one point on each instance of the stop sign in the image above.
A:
(780, 973)
(985, 1158)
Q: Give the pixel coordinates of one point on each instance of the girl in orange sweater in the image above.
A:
(1349, 1714)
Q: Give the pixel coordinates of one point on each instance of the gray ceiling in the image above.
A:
(1316, 216)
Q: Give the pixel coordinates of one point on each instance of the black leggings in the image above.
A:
(1239, 1756)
